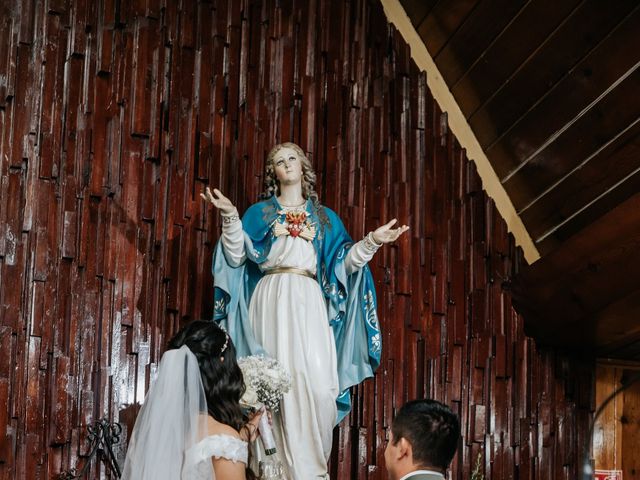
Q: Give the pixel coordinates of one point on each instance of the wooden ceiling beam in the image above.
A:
(586, 294)
(584, 30)
(569, 150)
(507, 53)
(594, 176)
(601, 205)
(583, 87)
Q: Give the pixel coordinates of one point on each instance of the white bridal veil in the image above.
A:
(172, 420)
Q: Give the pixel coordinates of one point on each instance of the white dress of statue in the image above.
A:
(288, 315)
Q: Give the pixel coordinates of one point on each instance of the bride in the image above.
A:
(191, 426)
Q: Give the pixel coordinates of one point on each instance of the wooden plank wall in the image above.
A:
(617, 430)
(115, 115)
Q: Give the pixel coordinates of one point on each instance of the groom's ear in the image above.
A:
(404, 449)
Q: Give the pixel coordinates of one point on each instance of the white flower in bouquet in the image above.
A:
(265, 379)
(249, 398)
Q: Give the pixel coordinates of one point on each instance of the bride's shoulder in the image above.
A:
(215, 427)
(222, 442)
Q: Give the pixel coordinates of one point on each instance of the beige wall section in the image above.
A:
(460, 128)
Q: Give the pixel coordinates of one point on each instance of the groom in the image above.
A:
(424, 438)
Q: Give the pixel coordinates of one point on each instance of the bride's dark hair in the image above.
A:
(221, 376)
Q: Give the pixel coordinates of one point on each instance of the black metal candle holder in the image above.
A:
(102, 436)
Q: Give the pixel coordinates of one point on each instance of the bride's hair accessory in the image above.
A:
(226, 341)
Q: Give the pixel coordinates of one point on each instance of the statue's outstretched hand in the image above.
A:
(386, 234)
(219, 201)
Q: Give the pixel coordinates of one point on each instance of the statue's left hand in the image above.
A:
(386, 234)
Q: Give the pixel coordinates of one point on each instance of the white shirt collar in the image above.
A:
(415, 472)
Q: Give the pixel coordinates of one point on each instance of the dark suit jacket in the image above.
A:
(424, 476)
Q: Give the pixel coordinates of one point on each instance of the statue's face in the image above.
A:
(287, 166)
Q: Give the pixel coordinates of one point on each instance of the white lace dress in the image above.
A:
(213, 446)
(288, 314)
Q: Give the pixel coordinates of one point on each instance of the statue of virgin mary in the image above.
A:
(289, 283)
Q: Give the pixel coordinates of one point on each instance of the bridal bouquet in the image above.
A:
(267, 382)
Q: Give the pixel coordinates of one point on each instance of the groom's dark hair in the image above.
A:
(431, 428)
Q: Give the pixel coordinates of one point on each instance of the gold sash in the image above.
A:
(297, 271)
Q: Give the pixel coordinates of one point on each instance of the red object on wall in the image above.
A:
(608, 475)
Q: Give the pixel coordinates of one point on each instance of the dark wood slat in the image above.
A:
(79, 19)
(7, 62)
(508, 52)
(470, 41)
(417, 10)
(574, 295)
(586, 27)
(588, 80)
(145, 46)
(23, 105)
(443, 20)
(631, 350)
(604, 172)
(25, 23)
(5, 445)
(617, 325)
(582, 219)
(610, 117)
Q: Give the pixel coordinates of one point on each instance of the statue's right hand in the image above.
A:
(219, 201)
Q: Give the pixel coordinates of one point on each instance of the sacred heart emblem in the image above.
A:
(295, 222)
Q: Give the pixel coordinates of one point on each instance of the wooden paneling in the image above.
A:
(594, 76)
(474, 35)
(583, 29)
(577, 143)
(616, 433)
(547, 88)
(614, 164)
(444, 19)
(116, 115)
(574, 224)
(506, 52)
(585, 294)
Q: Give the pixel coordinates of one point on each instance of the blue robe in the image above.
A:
(350, 299)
